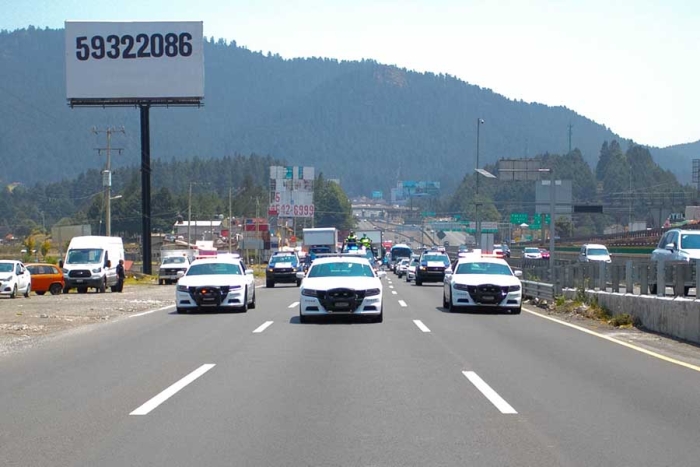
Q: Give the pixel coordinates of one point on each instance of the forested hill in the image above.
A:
(363, 122)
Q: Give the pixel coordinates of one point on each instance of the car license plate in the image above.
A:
(488, 298)
(342, 305)
(79, 281)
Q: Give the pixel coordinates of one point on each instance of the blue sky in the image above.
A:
(632, 65)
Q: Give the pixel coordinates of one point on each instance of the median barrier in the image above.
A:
(673, 316)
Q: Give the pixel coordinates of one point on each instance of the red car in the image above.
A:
(545, 253)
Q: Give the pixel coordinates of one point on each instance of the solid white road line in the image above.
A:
(490, 394)
(402, 303)
(420, 325)
(172, 390)
(293, 305)
(149, 312)
(263, 326)
(619, 342)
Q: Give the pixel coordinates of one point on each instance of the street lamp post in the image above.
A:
(479, 122)
(552, 217)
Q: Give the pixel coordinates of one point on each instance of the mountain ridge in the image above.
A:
(366, 123)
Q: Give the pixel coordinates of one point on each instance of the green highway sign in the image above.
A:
(519, 218)
(428, 214)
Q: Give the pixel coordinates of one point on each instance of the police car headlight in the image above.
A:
(513, 288)
(97, 270)
(461, 287)
(372, 292)
(309, 292)
(182, 288)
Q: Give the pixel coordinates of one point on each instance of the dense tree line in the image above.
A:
(200, 188)
(627, 183)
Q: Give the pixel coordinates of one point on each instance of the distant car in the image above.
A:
(482, 283)
(341, 285)
(15, 278)
(169, 238)
(411, 269)
(170, 266)
(215, 284)
(545, 253)
(532, 253)
(504, 248)
(283, 267)
(594, 252)
(432, 267)
(46, 278)
(401, 267)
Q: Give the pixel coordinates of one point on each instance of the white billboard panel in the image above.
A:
(134, 60)
(292, 203)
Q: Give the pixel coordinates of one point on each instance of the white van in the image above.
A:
(91, 261)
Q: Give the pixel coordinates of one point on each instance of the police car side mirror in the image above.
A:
(301, 275)
(180, 274)
(518, 273)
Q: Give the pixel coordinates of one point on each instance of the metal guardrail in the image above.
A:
(540, 290)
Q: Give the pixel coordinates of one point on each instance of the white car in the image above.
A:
(341, 285)
(532, 253)
(402, 267)
(486, 283)
(594, 252)
(15, 278)
(219, 283)
(411, 269)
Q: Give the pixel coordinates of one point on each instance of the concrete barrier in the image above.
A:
(676, 317)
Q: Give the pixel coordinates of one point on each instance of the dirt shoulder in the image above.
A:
(25, 320)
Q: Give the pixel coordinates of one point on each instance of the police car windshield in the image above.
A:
(283, 259)
(341, 269)
(213, 269)
(484, 268)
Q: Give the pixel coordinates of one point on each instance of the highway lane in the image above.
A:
(573, 387)
(345, 393)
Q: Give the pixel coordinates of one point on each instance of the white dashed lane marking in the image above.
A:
(293, 305)
(263, 326)
(490, 394)
(402, 303)
(420, 325)
(172, 390)
(394, 292)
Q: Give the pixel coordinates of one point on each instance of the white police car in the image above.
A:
(343, 284)
(482, 283)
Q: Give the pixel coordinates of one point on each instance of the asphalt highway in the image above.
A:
(425, 388)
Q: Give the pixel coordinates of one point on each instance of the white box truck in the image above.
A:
(91, 262)
(321, 240)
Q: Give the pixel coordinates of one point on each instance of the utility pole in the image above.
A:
(189, 217)
(107, 174)
(570, 132)
(230, 218)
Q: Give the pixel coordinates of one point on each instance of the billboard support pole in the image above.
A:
(146, 187)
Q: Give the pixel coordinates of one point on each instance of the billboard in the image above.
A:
(406, 190)
(562, 197)
(519, 169)
(134, 60)
(291, 191)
